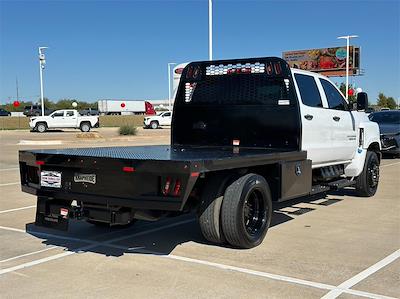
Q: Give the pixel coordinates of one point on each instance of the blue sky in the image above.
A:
(120, 49)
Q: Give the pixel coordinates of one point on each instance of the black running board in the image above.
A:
(334, 185)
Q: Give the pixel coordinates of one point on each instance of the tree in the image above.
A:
(10, 107)
(386, 102)
(352, 98)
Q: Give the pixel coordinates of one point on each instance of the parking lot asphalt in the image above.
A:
(338, 246)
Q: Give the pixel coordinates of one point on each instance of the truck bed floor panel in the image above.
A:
(170, 153)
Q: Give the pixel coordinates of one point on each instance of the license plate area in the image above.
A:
(50, 179)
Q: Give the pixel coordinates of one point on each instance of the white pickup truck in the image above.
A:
(156, 121)
(62, 119)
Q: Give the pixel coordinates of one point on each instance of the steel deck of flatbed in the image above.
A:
(214, 158)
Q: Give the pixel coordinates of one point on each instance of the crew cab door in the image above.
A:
(316, 130)
(56, 119)
(166, 118)
(70, 119)
(343, 132)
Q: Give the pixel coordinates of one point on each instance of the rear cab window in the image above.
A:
(58, 114)
(308, 89)
(333, 96)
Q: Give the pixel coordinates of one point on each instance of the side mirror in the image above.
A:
(362, 101)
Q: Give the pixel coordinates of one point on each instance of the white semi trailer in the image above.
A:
(125, 107)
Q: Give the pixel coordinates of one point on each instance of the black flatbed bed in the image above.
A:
(205, 158)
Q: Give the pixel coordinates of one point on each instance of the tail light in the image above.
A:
(128, 169)
(167, 186)
(171, 187)
(177, 188)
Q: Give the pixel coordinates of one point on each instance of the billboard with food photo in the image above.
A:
(329, 61)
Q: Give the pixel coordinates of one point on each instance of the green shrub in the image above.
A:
(127, 130)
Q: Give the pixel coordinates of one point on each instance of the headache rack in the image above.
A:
(244, 102)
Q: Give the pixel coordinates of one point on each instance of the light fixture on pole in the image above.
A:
(210, 52)
(169, 84)
(42, 62)
(347, 38)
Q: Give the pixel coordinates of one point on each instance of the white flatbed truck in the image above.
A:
(245, 133)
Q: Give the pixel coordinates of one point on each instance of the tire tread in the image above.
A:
(209, 214)
(230, 210)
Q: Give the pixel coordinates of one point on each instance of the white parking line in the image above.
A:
(90, 246)
(390, 164)
(253, 272)
(276, 277)
(108, 243)
(17, 209)
(362, 275)
(28, 254)
(9, 184)
(9, 169)
(13, 229)
(40, 142)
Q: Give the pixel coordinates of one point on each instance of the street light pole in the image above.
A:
(210, 52)
(42, 62)
(347, 38)
(169, 84)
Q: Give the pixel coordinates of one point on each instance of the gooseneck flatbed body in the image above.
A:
(240, 139)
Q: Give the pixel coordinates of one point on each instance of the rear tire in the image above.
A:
(246, 211)
(210, 209)
(154, 125)
(85, 127)
(41, 127)
(367, 182)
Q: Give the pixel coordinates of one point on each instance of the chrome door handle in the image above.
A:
(308, 117)
(336, 118)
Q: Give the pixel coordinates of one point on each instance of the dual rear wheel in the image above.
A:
(239, 214)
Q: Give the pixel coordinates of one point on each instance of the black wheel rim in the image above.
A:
(254, 213)
(373, 173)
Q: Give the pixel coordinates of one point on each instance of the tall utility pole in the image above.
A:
(347, 38)
(210, 52)
(169, 85)
(42, 62)
(16, 84)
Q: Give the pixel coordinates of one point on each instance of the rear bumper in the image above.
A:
(141, 203)
(138, 185)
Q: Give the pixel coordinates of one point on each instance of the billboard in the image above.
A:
(328, 61)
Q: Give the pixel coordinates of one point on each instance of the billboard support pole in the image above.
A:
(347, 60)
